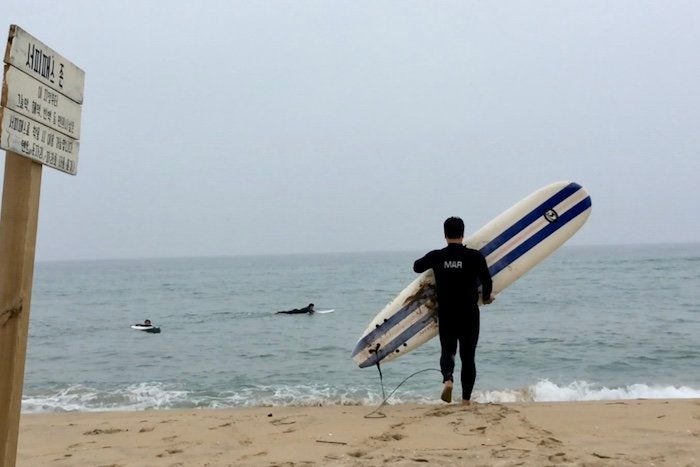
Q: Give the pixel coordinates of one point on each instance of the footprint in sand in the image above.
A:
(108, 431)
(223, 425)
(549, 442)
(510, 453)
(489, 415)
(170, 452)
(389, 436)
(245, 442)
(559, 458)
(441, 412)
(357, 453)
(80, 444)
(495, 413)
(282, 421)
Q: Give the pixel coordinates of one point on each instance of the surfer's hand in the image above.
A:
(489, 300)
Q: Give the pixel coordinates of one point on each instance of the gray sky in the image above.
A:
(248, 127)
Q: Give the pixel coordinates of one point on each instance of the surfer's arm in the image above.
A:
(486, 281)
(423, 264)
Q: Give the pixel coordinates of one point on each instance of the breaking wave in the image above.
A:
(156, 395)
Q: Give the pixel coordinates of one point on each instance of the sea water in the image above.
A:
(588, 323)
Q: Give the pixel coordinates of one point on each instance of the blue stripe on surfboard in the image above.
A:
(540, 236)
(398, 341)
(502, 238)
(396, 318)
(526, 246)
(529, 218)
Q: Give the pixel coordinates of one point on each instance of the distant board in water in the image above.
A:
(146, 328)
(325, 311)
(512, 243)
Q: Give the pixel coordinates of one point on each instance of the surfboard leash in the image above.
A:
(386, 398)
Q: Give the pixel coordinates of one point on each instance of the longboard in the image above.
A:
(512, 244)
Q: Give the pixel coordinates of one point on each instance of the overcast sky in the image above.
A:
(255, 127)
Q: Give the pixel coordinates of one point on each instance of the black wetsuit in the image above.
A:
(458, 272)
(306, 309)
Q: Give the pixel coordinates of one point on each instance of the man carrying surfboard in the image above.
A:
(458, 272)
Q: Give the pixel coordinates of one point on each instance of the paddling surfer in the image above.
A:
(307, 309)
(458, 271)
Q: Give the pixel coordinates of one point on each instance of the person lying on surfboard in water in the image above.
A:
(458, 271)
(307, 309)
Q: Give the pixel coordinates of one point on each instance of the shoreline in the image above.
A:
(658, 431)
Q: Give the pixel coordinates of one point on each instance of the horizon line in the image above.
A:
(320, 253)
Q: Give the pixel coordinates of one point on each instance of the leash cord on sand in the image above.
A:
(381, 380)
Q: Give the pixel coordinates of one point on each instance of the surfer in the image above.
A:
(146, 326)
(458, 271)
(307, 309)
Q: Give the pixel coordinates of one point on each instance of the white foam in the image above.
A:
(154, 395)
(81, 398)
(546, 391)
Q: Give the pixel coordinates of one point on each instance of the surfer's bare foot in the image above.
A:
(466, 402)
(447, 391)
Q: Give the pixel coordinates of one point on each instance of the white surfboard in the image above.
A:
(512, 244)
(147, 328)
(322, 312)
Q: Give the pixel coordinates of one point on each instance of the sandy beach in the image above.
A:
(649, 432)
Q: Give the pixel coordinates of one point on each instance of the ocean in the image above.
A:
(588, 323)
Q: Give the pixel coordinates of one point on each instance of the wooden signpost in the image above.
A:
(40, 109)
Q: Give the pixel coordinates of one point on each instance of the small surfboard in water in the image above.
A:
(145, 328)
(325, 311)
(512, 244)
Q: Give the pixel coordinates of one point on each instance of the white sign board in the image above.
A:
(33, 99)
(40, 103)
(29, 138)
(28, 54)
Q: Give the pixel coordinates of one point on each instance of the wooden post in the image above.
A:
(40, 108)
(18, 226)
